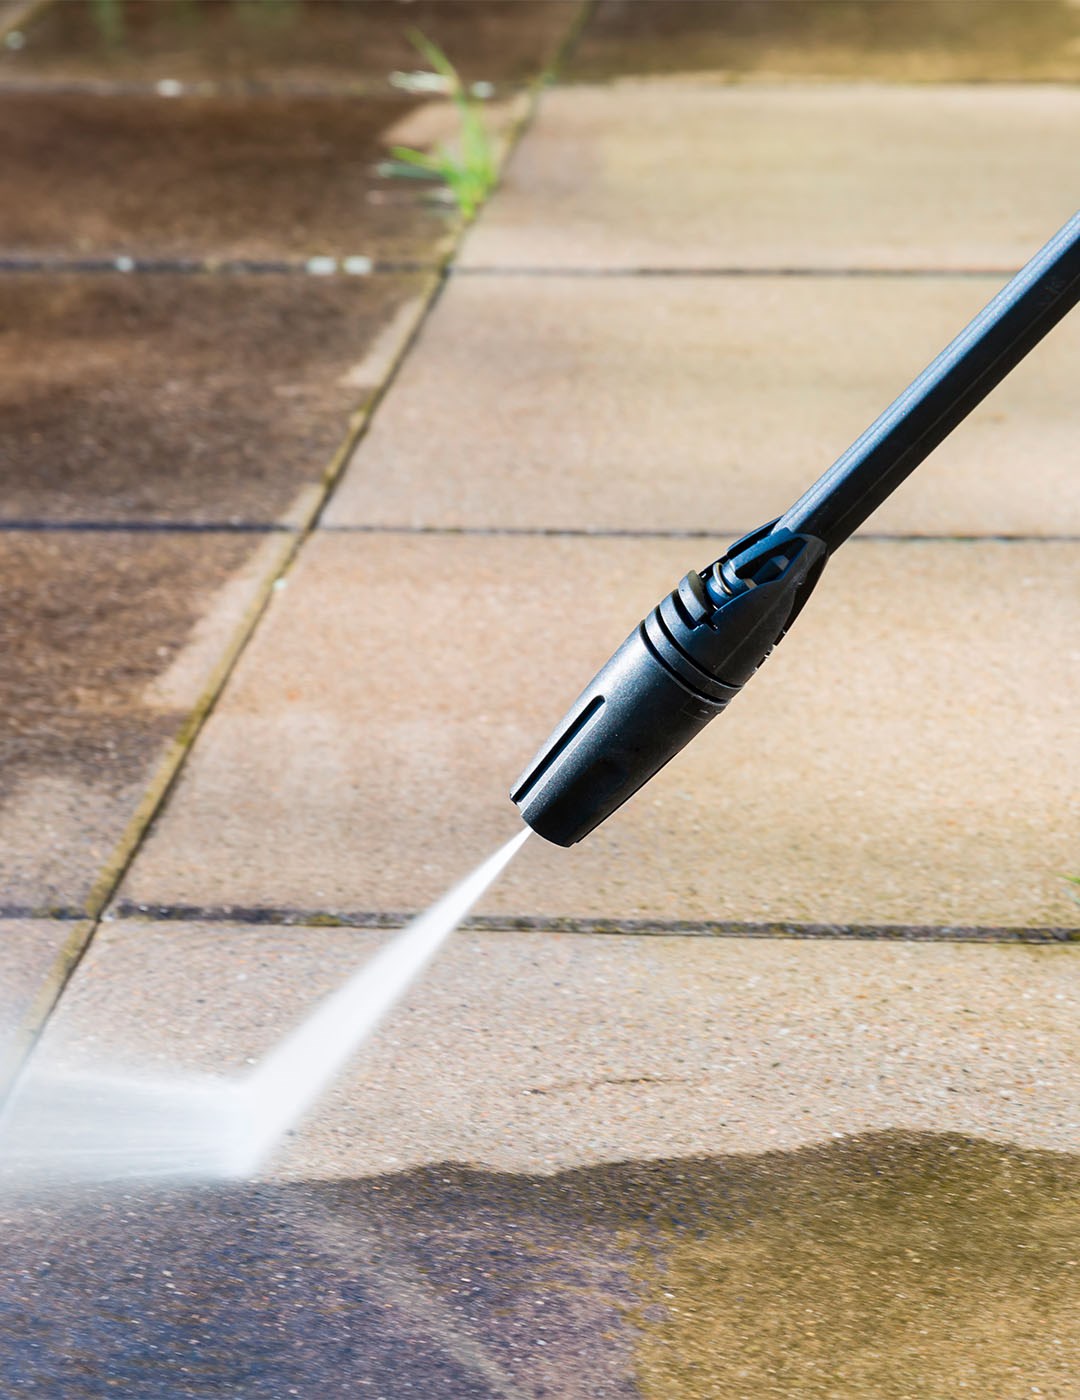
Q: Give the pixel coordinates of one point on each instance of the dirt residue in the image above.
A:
(86, 622)
(321, 41)
(894, 40)
(198, 398)
(906, 1267)
(912, 1265)
(245, 176)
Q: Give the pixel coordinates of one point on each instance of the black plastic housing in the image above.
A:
(677, 670)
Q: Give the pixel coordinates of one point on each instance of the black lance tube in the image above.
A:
(944, 394)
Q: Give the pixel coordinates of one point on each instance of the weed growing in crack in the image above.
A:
(467, 169)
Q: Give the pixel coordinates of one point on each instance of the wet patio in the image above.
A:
(771, 1086)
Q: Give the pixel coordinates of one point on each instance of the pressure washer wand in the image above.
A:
(692, 654)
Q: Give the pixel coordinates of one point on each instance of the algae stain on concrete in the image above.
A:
(893, 1265)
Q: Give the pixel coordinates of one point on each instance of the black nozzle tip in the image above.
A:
(633, 718)
(677, 670)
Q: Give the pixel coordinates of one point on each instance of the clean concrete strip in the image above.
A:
(679, 402)
(642, 175)
(35, 956)
(906, 757)
(531, 1052)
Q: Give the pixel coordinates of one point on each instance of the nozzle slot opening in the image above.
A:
(569, 734)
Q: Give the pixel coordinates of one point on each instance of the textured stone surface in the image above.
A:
(29, 951)
(202, 399)
(107, 640)
(334, 44)
(906, 757)
(256, 176)
(197, 398)
(890, 40)
(914, 1264)
(831, 176)
(533, 1052)
(677, 403)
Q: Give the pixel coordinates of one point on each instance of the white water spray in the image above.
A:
(289, 1080)
(108, 1126)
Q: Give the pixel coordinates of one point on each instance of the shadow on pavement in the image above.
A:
(893, 1264)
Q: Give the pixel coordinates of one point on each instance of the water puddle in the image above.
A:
(102, 1126)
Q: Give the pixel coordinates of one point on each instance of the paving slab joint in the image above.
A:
(283, 916)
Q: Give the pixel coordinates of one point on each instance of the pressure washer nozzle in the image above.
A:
(677, 670)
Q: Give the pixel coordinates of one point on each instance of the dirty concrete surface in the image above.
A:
(663, 1194)
(889, 1265)
(333, 43)
(249, 177)
(107, 640)
(833, 1159)
(196, 399)
(919, 41)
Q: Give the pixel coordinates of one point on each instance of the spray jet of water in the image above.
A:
(111, 1126)
(289, 1080)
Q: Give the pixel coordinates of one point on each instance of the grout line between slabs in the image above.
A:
(734, 270)
(14, 525)
(359, 89)
(317, 265)
(722, 533)
(171, 766)
(600, 532)
(359, 265)
(289, 917)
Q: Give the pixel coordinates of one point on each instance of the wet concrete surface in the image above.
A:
(643, 175)
(95, 677)
(216, 177)
(689, 403)
(878, 40)
(894, 1264)
(879, 771)
(197, 398)
(330, 42)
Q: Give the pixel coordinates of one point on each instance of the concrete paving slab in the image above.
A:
(884, 40)
(30, 952)
(107, 642)
(535, 1052)
(905, 758)
(673, 403)
(647, 1275)
(830, 176)
(244, 176)
(195, 398)
(344, 45)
